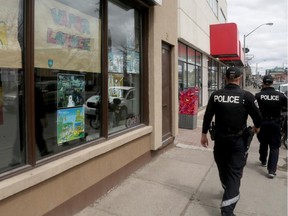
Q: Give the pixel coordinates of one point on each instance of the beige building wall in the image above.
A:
(70, 176)
(194, 20)
(50, 188)
(162, 28)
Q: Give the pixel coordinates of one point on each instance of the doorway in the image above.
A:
(166, 95)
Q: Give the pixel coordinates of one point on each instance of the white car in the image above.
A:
(283, 88)
(124, 93)
(91, 104)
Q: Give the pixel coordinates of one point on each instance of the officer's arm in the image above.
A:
(208, 116)
(204, 140)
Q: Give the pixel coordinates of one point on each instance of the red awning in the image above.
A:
(236, 61)
(225, 44)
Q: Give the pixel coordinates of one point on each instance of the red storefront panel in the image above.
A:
(237, 61)
(224, 40)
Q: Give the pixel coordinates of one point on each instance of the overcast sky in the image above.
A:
(268, 45)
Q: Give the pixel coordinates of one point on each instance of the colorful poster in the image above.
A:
(70, 124)
(66, 38)
(70, 90)
(10, 51)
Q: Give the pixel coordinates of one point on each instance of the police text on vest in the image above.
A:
(226, 99)
(270, 97)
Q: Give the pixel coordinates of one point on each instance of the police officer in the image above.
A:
(231, 107)
(271, 102)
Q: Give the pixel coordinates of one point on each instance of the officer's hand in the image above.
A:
(204, 140)
(256, 130)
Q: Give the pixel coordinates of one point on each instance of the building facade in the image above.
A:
(89, 92)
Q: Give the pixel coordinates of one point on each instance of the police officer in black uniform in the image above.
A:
(231, 107)
(271, 102)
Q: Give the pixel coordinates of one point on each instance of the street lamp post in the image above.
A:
(244, 41)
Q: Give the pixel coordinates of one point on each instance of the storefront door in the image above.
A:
(166, 94)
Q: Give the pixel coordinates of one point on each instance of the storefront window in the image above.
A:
(182, 55)
(191, 75)
(191, 56)
(69, 96)
(180, 76)
(67, 74)
(123, 66)
(12, 126)
(198, 58)
(189, 69)
(212, 76)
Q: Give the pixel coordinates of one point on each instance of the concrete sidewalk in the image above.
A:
(183, 181)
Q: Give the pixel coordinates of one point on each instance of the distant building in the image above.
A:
(278, 73)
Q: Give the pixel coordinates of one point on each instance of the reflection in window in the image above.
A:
(212, 76)
(67, 74)
(123, 66)
(12, 127)
(191, 56)
(182, 52)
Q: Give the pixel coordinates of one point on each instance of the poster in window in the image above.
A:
(67, 37)
(70, 124)
(133, 62)
(10, 50)
(115, 61)
(70, 90)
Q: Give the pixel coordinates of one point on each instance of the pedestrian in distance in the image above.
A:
(230, 107)
(271, 103)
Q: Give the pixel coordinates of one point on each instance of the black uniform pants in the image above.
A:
(270, 136)
(229, 155)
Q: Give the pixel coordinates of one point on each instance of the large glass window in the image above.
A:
(182, 53)
(212, 76)
(67, 74)
(191, 56)
(12, 127)
(189, 69)
(76, 99)
(123, 66)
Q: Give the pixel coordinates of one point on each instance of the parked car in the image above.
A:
(124, 93)
(91, 104)
(276, 85)
(283, 88)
